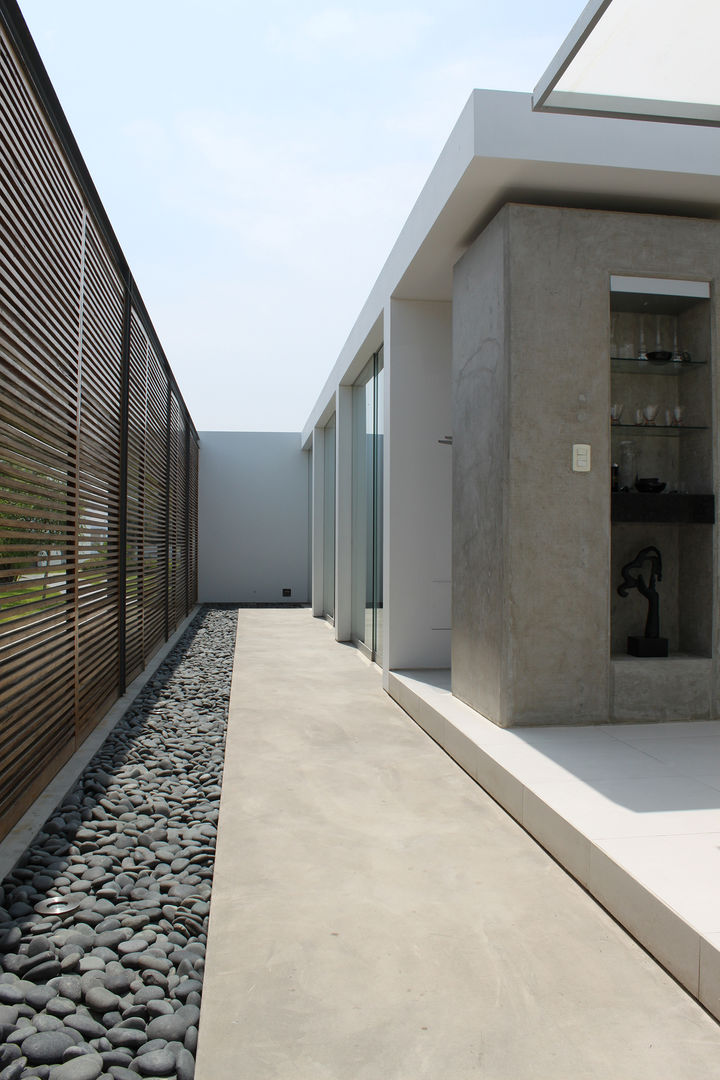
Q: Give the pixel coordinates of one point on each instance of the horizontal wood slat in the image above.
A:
(98, 455)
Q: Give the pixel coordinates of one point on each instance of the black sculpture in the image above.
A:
(651, 644)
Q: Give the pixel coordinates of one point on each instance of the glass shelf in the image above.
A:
(633, 366)
(672, 432)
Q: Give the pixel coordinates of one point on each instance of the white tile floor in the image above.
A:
(632, 810)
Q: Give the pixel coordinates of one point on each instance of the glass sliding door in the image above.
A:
(329, 520)
(362, 421)
(367, 533)
(378, 443)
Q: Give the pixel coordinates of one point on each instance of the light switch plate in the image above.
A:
(581, 457)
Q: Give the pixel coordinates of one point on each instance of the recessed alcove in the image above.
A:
(662, 390)
(661, 428)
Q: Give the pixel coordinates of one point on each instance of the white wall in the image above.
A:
(418, 484)
(253, 517)
(318, 519)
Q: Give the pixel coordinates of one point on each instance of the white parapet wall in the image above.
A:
(253, 510)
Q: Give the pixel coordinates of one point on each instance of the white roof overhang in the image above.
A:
(647, 59)
(501, 151)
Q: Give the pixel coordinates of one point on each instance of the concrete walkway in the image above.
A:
(376, 916)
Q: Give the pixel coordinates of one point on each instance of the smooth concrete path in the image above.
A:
(376, 916)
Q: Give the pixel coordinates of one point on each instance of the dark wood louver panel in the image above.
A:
(99, 483)
(155, 533)
(177, 545)
(135, 655)
(40, 236)
(98, 456)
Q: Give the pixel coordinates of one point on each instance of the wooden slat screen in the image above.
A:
(98, 517)
(177, 540)
(135, 656)
(96, 447)
(155, 597)
(40, 241)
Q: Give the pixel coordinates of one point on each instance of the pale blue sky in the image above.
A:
(258, 165)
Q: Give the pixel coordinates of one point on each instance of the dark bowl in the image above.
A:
(659, 356)
(650, 485)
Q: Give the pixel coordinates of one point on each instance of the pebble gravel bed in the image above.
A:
(110, 987)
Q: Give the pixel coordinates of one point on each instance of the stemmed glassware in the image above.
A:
(677, 356)
(642, 354)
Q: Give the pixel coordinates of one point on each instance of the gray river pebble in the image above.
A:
(8, 1014)
(14, 1070)
(101, 1000)
(46, 1047)
(170, 1027)
(131, 1038)
(87, 1067)
(111, 988)
(85, 1025)
(156, 1063)
(60, 1007)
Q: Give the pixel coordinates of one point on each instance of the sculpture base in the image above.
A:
(647, 646)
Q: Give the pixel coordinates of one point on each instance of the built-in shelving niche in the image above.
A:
(661, 315)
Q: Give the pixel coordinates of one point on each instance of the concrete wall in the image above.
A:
(531, 377)
(480, 388)
(559, 520)
(254, 517)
